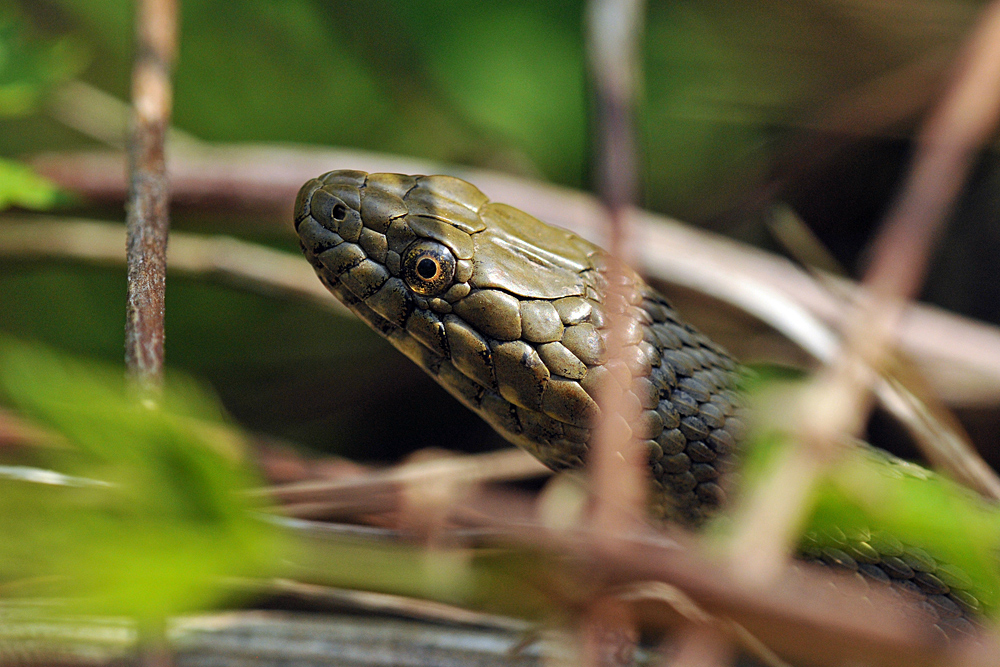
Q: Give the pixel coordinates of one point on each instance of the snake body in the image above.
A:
(512, 316)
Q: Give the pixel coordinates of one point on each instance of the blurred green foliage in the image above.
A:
(22, 187)
(29, 67)
(154, 518)
(866, 494)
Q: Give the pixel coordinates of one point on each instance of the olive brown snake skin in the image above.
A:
(511, 316)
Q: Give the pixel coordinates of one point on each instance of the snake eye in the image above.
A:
(428, 268)
(339, 212)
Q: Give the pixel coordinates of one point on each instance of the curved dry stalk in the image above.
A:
(836, 405)
(385, 603)
(376, 491)
(961, 357)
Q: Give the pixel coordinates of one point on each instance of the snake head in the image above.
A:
(431, 242)
(400, 236)
(505, 311)
(512, 317)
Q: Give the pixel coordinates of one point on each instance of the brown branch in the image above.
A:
(147, 217)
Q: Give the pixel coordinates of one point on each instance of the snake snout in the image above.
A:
(303, 201)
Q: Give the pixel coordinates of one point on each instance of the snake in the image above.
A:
(513, 317)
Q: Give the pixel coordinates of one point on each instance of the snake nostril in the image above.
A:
(339, 212)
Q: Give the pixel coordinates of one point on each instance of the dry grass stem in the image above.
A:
(382, 491)
(614, 29)
(385, 603)
(616, 463)
(678, 601)
(98, 115)
(248, 263)
(957, 129)
(938, 433)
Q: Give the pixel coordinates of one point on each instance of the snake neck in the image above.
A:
(678, 388)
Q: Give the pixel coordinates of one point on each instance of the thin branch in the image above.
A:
(951, 138)
(960, 356)
(614, 31)
(248, 264)
(614, 39)
(375, 492)
(384, 603)
(147, 217)
(616, 463)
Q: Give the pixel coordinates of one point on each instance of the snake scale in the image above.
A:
(512, 317)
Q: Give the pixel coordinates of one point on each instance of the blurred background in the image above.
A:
(743, 104)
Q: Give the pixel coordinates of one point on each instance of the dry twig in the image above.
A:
(248, 264)
(147, 217)
(377, 491)
(839, 400)
(614, 29)
(616, 464)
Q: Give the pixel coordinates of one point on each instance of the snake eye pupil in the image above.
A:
(339, 212)
(427, 268)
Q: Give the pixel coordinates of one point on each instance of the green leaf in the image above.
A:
(164, 520)
(20, 186)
